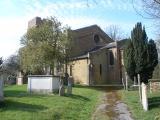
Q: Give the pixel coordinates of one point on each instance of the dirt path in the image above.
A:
(111, 107)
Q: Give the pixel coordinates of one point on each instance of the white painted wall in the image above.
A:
(1, 90)
(43, 83)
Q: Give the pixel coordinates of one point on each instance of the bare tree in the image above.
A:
(149, 9)
(115, 32)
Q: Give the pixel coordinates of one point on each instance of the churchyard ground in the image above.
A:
(81, 105)
(131, 98)
(20, 105)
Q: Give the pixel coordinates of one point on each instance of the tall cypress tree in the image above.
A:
(140, 45)
(128, 59)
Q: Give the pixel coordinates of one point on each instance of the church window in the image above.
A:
(111, 58)
(100, 69)
(96, 39)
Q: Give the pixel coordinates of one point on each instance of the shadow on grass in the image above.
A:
(19, 106)
(100, 87)
(15, 93)
(19, 94)
(79, 97)
(154, 102)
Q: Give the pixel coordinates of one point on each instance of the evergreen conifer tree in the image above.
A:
(140, 56)
(128, 59)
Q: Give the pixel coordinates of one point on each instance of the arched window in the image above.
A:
(96, 38)
(100, 69)
(111, 58)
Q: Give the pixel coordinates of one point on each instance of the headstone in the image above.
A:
(139, 85)
(123, 83)
(126, 81)
(1, 90)
(144, 97)
(61, 88)
(20, 79)
(69, 87)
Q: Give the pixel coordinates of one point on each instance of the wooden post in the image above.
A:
(139, 85)
(144, 97)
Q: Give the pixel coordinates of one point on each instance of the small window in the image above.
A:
(111, 58)
(96, 39)
(70, 70)
(100, 69)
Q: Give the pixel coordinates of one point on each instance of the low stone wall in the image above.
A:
(154, 85)
(1, 90)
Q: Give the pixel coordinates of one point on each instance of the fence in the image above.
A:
(154, 85)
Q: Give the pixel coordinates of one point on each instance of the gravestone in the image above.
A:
(1, 90)
(61, 88)
(69, 87)
(20, 79)
(144, 97)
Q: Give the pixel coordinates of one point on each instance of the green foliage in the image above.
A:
(140, 41)
(44, 46)
(140, 56)
(129, 62)
(11, 65)
(153, 60)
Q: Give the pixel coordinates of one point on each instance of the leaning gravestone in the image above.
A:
(1, 90)
(69, 87)
(61, 88)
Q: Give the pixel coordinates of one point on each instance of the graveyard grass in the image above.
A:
(20, 105)
(131, 98)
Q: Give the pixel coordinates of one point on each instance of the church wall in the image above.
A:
(109, 74)
(79, 70)
(114, 70)
(99, 62)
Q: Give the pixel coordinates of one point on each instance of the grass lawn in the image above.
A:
(19, 105)
(131, 98)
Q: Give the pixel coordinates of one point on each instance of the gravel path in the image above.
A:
(111, 107)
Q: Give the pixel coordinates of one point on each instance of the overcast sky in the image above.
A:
(15, 14)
